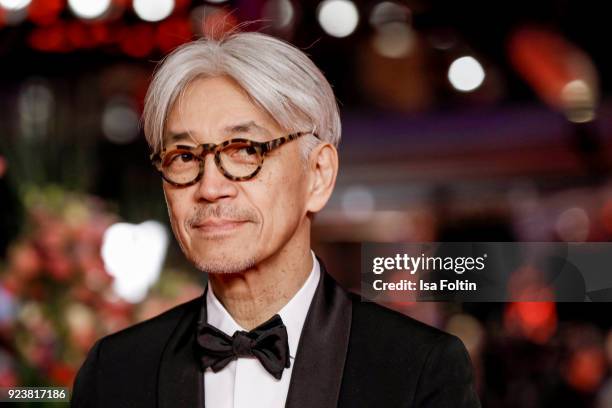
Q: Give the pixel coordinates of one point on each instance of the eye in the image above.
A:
(183, 157)
(248, 150)
(179, 160)
(186, 157)
(240, 154)
(240, 150)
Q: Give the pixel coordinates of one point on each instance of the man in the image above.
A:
(244, 133)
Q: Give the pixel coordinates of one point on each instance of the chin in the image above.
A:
(223, 257)
(224, 265)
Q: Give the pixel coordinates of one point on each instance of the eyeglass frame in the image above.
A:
(263, 148)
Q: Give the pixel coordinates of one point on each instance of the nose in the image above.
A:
(213, 185)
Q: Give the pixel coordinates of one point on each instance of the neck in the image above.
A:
(253, 296)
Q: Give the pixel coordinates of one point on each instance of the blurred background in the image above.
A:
(463, 121)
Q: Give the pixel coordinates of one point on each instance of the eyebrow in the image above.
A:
(171, 137)
(245, 127)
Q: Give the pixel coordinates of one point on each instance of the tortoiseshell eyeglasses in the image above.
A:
(236, 159)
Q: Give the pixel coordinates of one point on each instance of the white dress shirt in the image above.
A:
(244, 382)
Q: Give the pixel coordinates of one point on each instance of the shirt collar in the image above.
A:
(293, 313)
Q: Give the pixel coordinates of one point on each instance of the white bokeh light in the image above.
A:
(89, 9)
(579, 101)
(133, 255)
(387, 12)
(358, 203)
(394, 40)
(153, 10)
(466, 74)
(36, 103)
(338, 18)
(14, 4)
(280, 12)
(120, 121)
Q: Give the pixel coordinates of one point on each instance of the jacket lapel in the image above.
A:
(180, 380)
(319, 363)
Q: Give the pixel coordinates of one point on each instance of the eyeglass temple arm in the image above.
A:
(273, 144)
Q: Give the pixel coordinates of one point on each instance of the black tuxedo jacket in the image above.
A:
(351, 354)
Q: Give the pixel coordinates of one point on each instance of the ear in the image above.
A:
(322, 169)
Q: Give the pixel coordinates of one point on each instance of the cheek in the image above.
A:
(282, 202)
(177, 211)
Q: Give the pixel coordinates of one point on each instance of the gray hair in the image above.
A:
(278, 77)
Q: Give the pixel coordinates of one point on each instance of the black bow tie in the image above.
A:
(267, 342)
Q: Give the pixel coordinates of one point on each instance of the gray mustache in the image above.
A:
(230, 213)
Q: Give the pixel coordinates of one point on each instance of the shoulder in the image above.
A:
(388, 350)
(126, 362)
(381, 322)
(403, 340)
(149, 335)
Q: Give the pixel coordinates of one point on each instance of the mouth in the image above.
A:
(218, 226)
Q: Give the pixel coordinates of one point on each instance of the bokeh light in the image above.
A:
(3, 166)
(387, 12)
(13, 17)
(173, 32)
(133, 255)
(120, 121)
(573, 225)
(138, 41)
(535, 321)
(212, 21)
(579, 101)
(14, 4)
(45, 12)
(394, 40)
(281, 13)
(89, 9)
(586, 368)
(358, 203)
(153, 10)
(36, 104)
(338, 18)
(466, 74)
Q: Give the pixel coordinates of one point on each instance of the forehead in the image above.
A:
(215, 108)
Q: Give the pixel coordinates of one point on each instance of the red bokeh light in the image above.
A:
(181, 5)
(122, 3)
(137, 41)
(100, 33)
(548, 62)
(49, 39)
(3, 166)
(62, 374)
(78, 35)
(585, 369)
(2, 18)
(606, 216)
(173, 32)
(218, 23)
(536, 321)
(45, 12)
